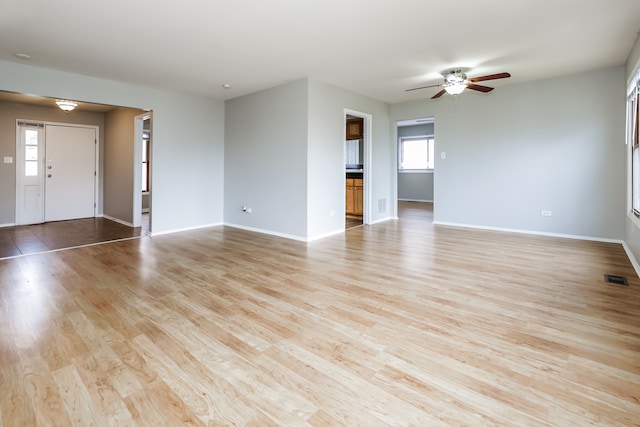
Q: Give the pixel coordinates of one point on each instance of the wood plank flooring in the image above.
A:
(401, 323)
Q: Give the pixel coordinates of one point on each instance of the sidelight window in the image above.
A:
(31, 153)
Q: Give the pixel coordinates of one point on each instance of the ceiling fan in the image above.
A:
(456, 81)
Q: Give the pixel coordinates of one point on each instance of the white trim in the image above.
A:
(262, 231)
(325, 235)
(8, 225)
(634, 219)
(253, 229)
(178, 230)
(415, 200)
(138, 122)
(119, 221)
(632, 259)
(388, 218)
(367, 161)
(536, 233)
(425, 171)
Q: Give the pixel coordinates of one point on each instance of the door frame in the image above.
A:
(366, 161)
(20, 167)
(136, 214)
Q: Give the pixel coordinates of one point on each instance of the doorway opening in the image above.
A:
(416, 168)
(357, 167)
(142, 171)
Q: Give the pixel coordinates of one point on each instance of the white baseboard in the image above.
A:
(178, 230)
(322, 236)
(8, 225)
(632, 259)
(377, 221)
(415, 200)
(272, 233)
(118, 220)
(536, 233)
(145, 210)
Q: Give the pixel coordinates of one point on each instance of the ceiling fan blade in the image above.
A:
(490, 77)
(422, 87)
(480, 88)
(439, 94)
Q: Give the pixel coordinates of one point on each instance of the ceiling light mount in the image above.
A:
(66, 105)
(455, 82)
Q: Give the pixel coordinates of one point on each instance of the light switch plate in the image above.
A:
(8, 159)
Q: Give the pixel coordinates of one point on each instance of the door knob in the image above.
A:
(49, 167)
(49, 176)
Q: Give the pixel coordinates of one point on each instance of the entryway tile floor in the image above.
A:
(29, 239)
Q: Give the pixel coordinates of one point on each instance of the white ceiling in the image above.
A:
(377, 48)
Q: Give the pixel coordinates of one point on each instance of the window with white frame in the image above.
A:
(416, 153)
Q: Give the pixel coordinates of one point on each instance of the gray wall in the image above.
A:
(284, 158)
(187, 165)
(118, 160)
(555, 144)
(326, 176)
(9, 112)
(266, 160)
(416, 186)
(632, 226)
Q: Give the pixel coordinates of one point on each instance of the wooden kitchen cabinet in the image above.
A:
(355, 129)
(354, 196)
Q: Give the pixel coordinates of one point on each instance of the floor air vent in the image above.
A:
(616, 280)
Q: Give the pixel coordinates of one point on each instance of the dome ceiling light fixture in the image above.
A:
(66, 105)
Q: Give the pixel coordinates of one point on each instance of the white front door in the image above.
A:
(29, 174)
(70, 171)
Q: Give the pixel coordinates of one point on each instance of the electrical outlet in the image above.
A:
(8, 159)
(545, 213)
(332, 213)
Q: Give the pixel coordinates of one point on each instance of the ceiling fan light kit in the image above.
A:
(456, 81)
(455, 88)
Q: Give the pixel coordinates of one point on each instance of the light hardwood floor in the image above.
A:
(399, 323)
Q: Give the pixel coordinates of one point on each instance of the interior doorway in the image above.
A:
(357, 143)
(416, 167)
(142, 170)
